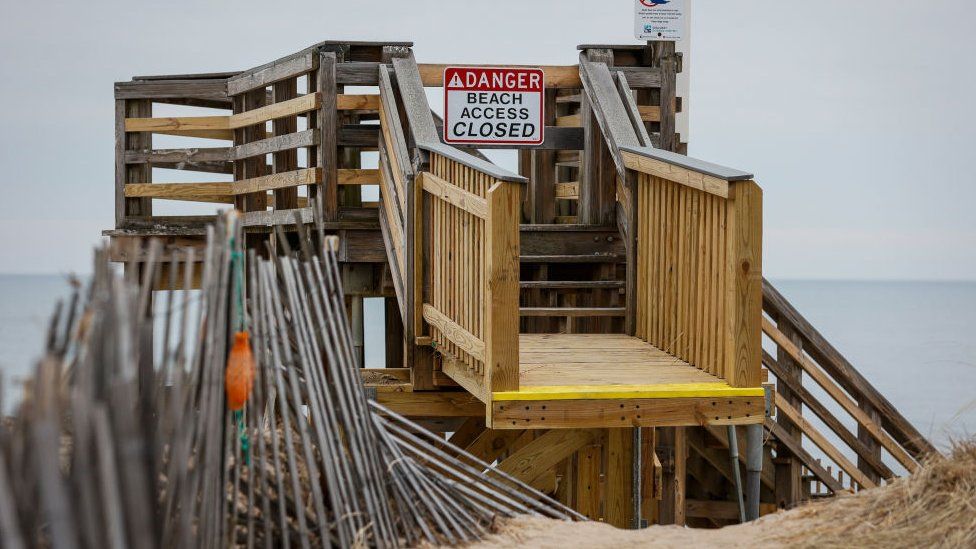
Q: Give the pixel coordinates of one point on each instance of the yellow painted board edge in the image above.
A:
(609, 392)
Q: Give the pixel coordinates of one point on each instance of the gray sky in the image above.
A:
(857, 118)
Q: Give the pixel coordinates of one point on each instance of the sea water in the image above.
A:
(914, 341)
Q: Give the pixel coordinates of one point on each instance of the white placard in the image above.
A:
(493, 105)
(662, 20)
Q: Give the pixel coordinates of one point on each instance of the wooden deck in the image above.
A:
(611, 380)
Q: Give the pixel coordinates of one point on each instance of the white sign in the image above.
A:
(660, 20)
(491, 106)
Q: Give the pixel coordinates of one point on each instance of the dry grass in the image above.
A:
(936, 507)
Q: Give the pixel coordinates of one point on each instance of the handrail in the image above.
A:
(801, 352)
(453, 219)
(472, 162)
(471, 273)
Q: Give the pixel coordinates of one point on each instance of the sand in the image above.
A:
(935, 507)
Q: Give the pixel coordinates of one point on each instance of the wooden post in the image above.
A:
(588, 489)
(328, 128)
(502, 283)
(788, 468)
(619, 495)
(542, 173)
(650, 476)
(869, 442)
(420, 358)
(285, 161)
(662, 55)
(597, 172)
(393, 332)
(743, 322)
(131, 173)
(673, 449)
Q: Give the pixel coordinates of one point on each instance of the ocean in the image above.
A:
(915, 341)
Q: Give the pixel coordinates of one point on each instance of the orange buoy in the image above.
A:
(239, 376)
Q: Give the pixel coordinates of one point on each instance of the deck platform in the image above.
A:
(615, 380)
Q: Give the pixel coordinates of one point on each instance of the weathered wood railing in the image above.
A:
(699, 262)
(471, 269)
(801, 353)
(278, 109)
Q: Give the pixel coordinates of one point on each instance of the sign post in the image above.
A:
(659, 20)
(493, 106)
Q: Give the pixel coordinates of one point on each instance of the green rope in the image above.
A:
(240, 325)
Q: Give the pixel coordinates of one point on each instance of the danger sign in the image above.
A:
(488, 105)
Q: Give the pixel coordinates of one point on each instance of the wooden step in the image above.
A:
(570, 284)
(572, 311)
(575, 258)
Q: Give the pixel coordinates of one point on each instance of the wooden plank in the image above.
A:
(278, 143)
(179, 191)
(618, 501)
(265, 75)
(544, 452)
(471, 380)
(624, 391)
(647, 113)
(790, 389)
(677, 174)
(305, 176)
(608, 108)
(837, 393)
(638, 114)
(177, 125)
(589, 493)
(454, 195)
(555, 76)
(175, 158)
(210, 93)
(433, 403)
(467, 432)
(569, 190)
(361, 102)
(415, 105)
(464, 339)
(721, 510)
(492, 443)
(568, 414)
(359, 176)
(782, 405)
(501, 319)
(572, 311)
(794, 445)
(290, 107)
(674, 444)
(743, 312)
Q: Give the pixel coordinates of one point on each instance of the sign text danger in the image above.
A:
(486, 105)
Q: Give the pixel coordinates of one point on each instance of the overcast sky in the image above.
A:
(858, 118)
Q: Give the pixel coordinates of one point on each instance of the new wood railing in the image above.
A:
(471, 270)
(699, 262)
(451, 222)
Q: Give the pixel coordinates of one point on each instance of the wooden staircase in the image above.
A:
(568, 276)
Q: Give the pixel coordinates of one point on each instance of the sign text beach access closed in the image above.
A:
(493, 105)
